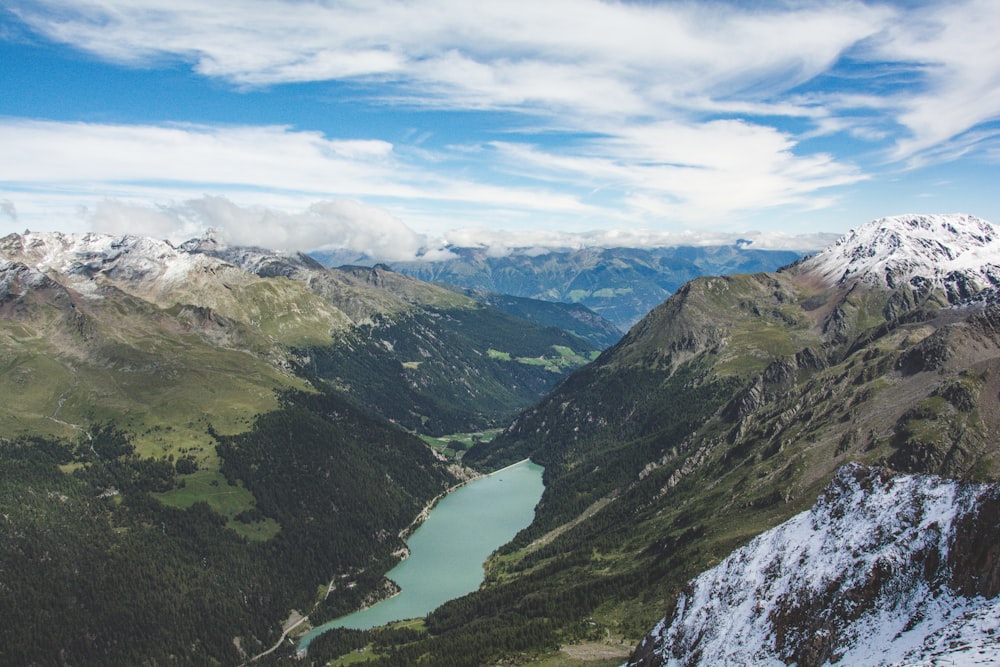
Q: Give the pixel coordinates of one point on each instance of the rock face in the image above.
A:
(883, 570)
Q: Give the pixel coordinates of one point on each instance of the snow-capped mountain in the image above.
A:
(882, 570)
(959, 253)
(144, 266)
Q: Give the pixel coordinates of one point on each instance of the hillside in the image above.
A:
(213, 422)
(575, 318)
(93, 319)
(620, 284)
(725, 412)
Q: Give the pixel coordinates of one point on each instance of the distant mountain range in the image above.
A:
(620, 284)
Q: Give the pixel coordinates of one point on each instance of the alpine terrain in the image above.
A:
(883, 570)
(218, 423)
(197, 442)
(727, 411)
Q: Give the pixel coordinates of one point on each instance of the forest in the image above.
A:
(85, 545)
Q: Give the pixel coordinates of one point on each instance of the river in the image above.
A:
(448, 550)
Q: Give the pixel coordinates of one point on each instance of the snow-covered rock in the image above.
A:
(138, 265)
(882, 570)
(958, 253)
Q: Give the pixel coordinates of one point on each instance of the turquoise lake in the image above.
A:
(448, 550)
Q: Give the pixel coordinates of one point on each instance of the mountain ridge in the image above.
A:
(298, 318)
(725, 412)
(926, 251)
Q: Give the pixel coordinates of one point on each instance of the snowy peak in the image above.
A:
(958, 253)
(878, 572)
(86, 261)
(144, 267)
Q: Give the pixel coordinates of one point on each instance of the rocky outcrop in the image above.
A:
(878, 572)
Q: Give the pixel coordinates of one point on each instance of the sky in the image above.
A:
(396, 127)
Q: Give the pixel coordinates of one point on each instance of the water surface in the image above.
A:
(448, 550)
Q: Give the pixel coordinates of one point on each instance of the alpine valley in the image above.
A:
(789, 467)
(233, 428)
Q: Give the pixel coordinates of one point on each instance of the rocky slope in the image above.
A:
(883, 570)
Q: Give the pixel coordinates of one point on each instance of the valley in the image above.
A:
(262, 426)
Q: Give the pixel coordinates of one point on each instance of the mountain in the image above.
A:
(723, 413)
(620, 284)
(883, 570)
(956, 254)
(196, 439)
(420, 355)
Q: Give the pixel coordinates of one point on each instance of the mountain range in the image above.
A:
(619, 284)
(163, 408)
(805, 458)
(99, 321)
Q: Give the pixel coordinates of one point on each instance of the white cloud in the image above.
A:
(584, 56)
(692, 172)
(166, 162)
(340, 224)
(8, 209)
(500, 242)
(683, 173)
(374, 233)
(655, 88)
(954, 50)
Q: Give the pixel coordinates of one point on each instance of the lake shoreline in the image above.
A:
(466, 572)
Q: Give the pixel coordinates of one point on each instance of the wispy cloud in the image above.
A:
(496, 54)
(954, 51)
(678, 112)
(302, 165)
(687, 172)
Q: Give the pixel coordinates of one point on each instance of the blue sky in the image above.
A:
(388, 127)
